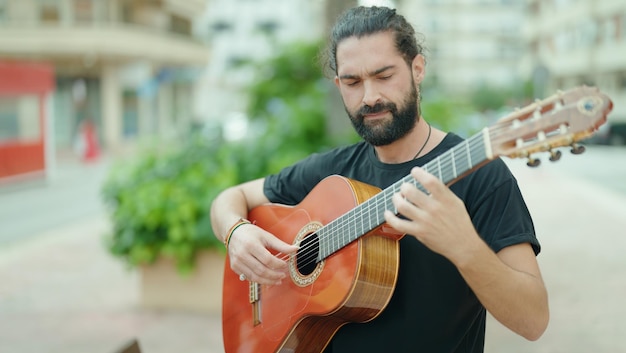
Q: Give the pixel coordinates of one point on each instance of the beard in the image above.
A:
(381, 133)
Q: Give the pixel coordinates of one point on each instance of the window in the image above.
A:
(564, 41)
(609, 30)
(130, 117)
(180, 25)
(49, 11)
(587, 34)
(3, 10)
(19, 118)
(622, 80)
(268, 27)
(508, 50)
(83, 10)
(8, 119)
(433, 26)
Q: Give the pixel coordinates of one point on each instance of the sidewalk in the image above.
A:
(581, 226)
(60, 291)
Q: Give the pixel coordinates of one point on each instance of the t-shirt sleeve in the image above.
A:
(499, 211)
(293, 183)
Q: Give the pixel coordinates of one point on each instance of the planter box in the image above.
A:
(162, 287)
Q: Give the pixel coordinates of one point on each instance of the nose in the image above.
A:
(371, 94)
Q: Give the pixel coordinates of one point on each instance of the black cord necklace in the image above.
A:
(425, 142)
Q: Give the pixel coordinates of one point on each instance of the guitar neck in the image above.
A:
(449, 167)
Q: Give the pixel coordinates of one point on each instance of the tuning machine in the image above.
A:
(533, 162)
(577, 149)
(555, 155)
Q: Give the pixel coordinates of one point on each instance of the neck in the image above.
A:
(405, 148)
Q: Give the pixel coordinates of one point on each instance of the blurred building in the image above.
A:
(469, 42)
(575, 42)
(129, 66)
(244, 32)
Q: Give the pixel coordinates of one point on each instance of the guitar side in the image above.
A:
(303, 313)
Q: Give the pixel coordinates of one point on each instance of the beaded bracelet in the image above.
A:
(232, 229)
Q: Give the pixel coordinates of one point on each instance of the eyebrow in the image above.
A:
(373, 73)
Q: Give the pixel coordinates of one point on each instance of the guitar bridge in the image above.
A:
(255, 294)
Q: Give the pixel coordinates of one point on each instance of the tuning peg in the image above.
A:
(577, 149)
(533, 162)
(555, 155)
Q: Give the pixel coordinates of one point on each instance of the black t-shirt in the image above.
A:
(432, 309)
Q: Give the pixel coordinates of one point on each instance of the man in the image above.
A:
(467, 248)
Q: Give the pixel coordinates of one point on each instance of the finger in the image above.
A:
(273, 242)
(260, 273)
(245, 260)
(255, 271)
(412, 194)
(284, 250)
(271, 263)
(399, 224)
(431, 183)
(402, 205)
(406, 208)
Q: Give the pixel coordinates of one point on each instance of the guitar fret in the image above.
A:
(330, 244)
(439, 168)
(334, 246)
(444, 166)
(469, 156)
(393, 190)
(356, 230)
(321, 237)
(352, 228)
(369, 224)
(451, 165)
(460, 158)
(323, 245)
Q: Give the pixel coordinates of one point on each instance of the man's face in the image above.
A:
(383, 132)
(378, 87)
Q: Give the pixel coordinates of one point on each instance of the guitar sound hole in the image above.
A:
(306, 258)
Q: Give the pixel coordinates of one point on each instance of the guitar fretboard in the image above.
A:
(448, 167)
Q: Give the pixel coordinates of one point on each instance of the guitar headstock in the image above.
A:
(560, 120)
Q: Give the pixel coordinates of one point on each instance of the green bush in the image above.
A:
(160, 204)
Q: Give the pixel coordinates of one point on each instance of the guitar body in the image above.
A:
(303, 313)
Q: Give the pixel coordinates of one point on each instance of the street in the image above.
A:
(61, 292)
(31, 207)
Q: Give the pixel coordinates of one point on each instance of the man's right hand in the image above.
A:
(259, 255)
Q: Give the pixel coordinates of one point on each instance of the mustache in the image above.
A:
(376, 108)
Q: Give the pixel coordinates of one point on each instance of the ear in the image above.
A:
(337, 81)
(419, 68)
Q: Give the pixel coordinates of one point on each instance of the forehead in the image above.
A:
(366, 53)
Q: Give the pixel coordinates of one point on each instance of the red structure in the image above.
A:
(25, 96)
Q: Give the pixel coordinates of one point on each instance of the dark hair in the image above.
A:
(361, 21)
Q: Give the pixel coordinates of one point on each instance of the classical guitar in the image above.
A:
(346, 268)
